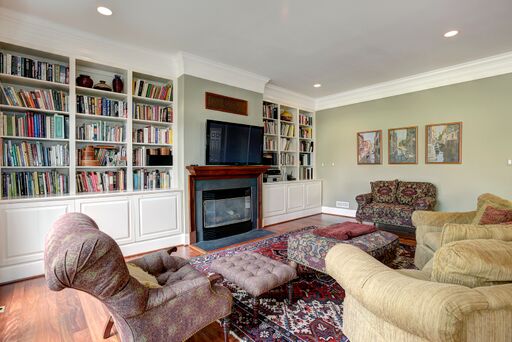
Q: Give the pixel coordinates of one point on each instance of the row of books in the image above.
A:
(17, 184)
(270, 127)
(100, 181)
(34, 154)
(101, 106)
(306, 146)
(34, 125)
(48, 99)
(306, 173)
(32, 68)
(106, 155)
(287, 130)
(270, 144)
(144, 156)
(153, 135)
(305, 120)
(153, 113)
(270, 110)
(100, 131)
(287, 159)
(306, 133)
(154, 91)
(151, 179)
(286, 144)
(305, 159)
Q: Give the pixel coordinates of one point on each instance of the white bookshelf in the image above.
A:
(75, 118)
(286, 142)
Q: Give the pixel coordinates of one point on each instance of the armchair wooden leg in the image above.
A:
(255, 308)
(290, 292)
(108, 328)
(225, 326)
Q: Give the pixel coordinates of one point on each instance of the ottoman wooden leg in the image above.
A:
(290, 292)
(255, 308)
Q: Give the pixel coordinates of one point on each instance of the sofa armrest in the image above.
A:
(437, 308)
(456, 232)
(433, 221)
(364, 199)
(498, 296)
(424, 203)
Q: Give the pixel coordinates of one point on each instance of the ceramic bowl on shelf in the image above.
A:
(102, 86)
(84, 81)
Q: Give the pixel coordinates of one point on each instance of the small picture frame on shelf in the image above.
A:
(403, 145)
(369, 147)
(443, 143)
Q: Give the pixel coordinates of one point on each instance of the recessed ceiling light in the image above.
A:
(104, 10)
(317, 85)
(450, 34)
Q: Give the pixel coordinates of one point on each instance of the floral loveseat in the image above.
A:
(393, 202)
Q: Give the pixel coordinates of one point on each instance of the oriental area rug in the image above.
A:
(317, 310)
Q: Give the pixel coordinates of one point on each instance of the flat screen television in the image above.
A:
(233, 144)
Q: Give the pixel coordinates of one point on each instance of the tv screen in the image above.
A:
(233, 144)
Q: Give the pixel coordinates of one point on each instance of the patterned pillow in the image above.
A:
(384, 191)
(493, 215)
(408, 192)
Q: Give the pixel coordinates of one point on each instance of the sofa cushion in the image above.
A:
(408, 192)
(492, 200)
(474, 263)
(142, 276)
(492, 215)
(432, 240)
(384, 191)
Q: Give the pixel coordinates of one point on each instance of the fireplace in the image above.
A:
(224, 200)
(226, 212)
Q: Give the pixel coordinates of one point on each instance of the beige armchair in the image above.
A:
(435, 229)
(382, 304)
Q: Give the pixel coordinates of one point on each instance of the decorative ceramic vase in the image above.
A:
(117, 84)
(102, 86)
(84, 81)
(286, 116)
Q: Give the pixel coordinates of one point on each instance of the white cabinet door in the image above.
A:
(295, 197)
(274, 200)
(23, 227)
(158, 216)
(313, 195)
(113, 216)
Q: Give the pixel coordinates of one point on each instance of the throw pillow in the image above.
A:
(494, 201)
(408, 192)
(143, 277)
(473, 263)
(493, 215)
(384, 191)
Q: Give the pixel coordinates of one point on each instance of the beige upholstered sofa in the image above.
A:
(435, 229)
(383, 304)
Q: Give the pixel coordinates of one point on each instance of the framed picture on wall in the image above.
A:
(369, 147)
(443, 143)
(403, 145)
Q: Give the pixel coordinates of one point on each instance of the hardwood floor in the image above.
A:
(34, 313)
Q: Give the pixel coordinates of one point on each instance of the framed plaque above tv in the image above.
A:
(225, 104)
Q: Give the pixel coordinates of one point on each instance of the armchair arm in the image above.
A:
(433, 221)
(424, 203)
(364, 199)
(164, 294)
(438, 308)
(456, 232)
(160, 262)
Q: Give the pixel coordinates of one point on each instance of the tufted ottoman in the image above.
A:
(256, 274)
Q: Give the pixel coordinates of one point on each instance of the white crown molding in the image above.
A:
(284, 96)
(473, 70)
(214, 71)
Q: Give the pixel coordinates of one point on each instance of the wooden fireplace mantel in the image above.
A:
(222, 172)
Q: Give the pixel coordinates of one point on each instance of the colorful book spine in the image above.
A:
(152, 113)
(100, 131)
(150, 90)
(153, 135)
(30, 184)
(24, 153)
(151, 179)
(34, 125)
(48, 99)
(101, 106)
(33, 68)
(101, 181)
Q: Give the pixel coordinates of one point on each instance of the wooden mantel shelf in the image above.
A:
(226, 171)
(222, 172)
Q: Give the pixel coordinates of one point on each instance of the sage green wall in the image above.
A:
(485, 108)
(192, 90)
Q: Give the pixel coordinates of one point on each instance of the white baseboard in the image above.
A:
(290, 216)
(339, 211)
(151, 245)
(21, 271)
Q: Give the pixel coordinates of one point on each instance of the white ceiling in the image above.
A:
(340, 43)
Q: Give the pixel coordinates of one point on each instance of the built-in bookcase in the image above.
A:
(289, 140)
(59, 138)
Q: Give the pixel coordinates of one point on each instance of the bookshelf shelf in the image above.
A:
(96, 168)
(100, 117)
(151, 144)
(34, 167)
(136, 167)
(33, 110)
(33, 138)
(32, 82)
(100, 93)
(99, 142)
(151, 122)
(149, 100)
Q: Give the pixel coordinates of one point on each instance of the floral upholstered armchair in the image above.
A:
(154, 298)
(393, 202)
